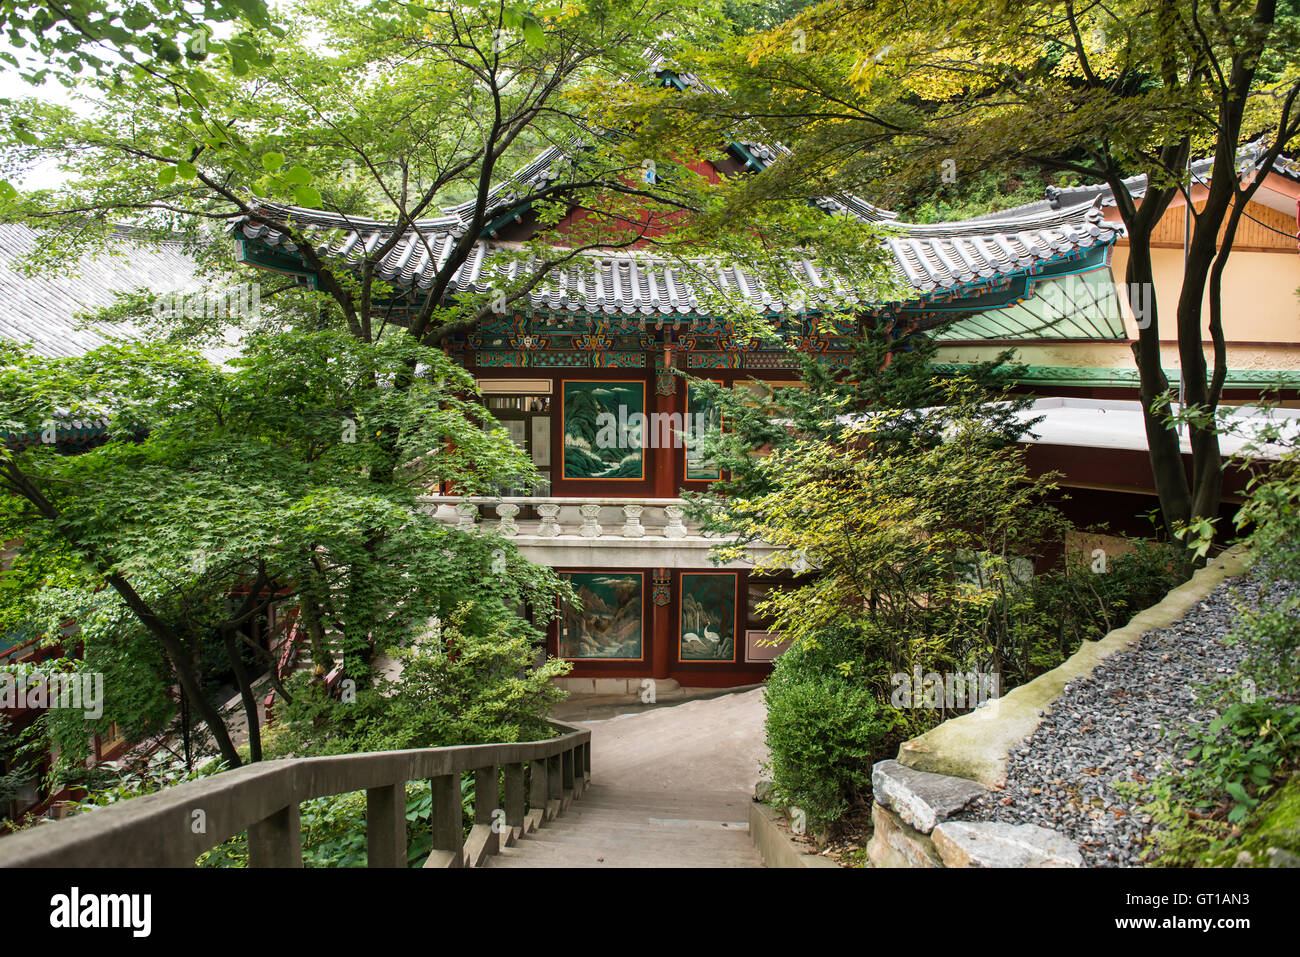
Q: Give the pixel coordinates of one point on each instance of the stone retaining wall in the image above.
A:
(943, 770)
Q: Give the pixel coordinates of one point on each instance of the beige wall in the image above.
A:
(1259, 294)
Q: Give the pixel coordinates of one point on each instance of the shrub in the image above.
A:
(457, 686)
(824, 731)
(1048, 619)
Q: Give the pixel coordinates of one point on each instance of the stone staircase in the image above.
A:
(618, 827)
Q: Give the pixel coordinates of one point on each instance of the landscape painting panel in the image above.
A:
(617, 454)
(708, 619)
(702, 417)
(608, 623)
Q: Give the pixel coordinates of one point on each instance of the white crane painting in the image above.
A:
(708, 617)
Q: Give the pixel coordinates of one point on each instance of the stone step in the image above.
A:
(669, 827)
(632, 853)
(624, 828)
(728, 815)
(656, 804)
(635, 848)
(721, 837)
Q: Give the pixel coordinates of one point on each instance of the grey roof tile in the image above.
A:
(41, 311)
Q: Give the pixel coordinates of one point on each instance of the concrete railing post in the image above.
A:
(555, 784)
(515, 800)
(445, 820)
(276, 840)
(539, 794)
(386, 826)
(486, 803)
(566, 766)
(554, 778)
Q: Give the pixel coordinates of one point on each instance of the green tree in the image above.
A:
(879, 96)
(885, 530)
(253, 481)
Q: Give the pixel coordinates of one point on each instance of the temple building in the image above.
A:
(580, 371)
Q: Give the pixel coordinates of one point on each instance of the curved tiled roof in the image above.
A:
(41, 310)
(934, 261)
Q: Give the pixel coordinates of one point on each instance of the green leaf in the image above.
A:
(167, 176)
(187, 170)
(308, 196)
(298, 176)
(272, 161)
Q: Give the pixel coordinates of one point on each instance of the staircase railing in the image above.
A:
(173, 827)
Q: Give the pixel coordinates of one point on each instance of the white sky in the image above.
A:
(12, 86)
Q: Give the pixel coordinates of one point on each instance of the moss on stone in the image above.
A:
(1274, 824)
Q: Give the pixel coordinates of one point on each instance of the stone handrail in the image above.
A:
(173, 827)
(552, 523)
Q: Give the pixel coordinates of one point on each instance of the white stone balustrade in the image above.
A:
(588, 518)
(507, 525)
(590, 521)
(550, 528)
(632, 527)
(588, 532)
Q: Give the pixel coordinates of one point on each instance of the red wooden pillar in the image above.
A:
(666, 466)
(661, 626)
(664, 460)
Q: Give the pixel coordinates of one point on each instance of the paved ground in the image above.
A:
(670, 787)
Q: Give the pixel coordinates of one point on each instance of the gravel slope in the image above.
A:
(1124, 722)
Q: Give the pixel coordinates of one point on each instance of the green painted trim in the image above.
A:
(256, 253)
(494, 227)
(1059, 267)
(1128, 377)
(752, 161)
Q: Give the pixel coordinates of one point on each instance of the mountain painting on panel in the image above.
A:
(603, 424)
(608, 623)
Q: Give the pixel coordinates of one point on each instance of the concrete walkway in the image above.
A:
(670, 787)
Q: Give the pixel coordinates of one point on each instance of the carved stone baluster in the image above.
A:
(549, 527)
(590, 527)
(507, 511)
(632, 527)
(674, 528)
(468, 513)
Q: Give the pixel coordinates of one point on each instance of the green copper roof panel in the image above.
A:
(1079, 306)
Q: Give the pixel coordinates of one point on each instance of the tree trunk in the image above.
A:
(176, 652)
(245, 693)
(1166, 458)
(321, 657)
